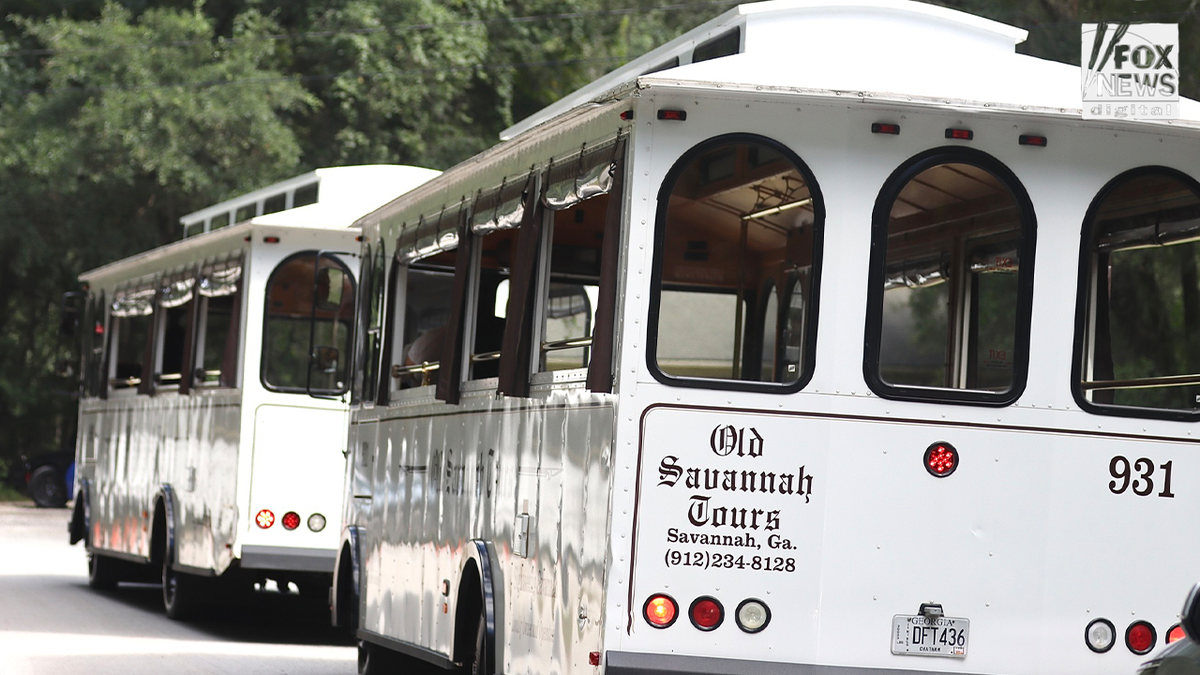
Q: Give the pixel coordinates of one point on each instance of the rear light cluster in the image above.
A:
(290, 520)
(706, 613)
(1140, 636)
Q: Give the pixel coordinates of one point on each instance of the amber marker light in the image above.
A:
(660, 610)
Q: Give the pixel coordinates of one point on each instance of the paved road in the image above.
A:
(51, 623)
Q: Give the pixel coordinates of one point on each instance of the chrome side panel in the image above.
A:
(445, 477)
(130, 446)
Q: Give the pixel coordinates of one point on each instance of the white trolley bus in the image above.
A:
(827, 338)
(199, 455)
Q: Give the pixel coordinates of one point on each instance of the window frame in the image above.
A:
(660, 221)
(1083, 298)
(880, 221)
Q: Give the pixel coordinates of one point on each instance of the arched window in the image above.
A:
(740, 217)
(293, 324)
(951, 281)
(1138, 343)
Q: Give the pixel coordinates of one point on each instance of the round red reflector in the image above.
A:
(941, 459)
(1175, 633)
(291, 520)
(706, 613)
(265, 519)
(1140, 637)
(660, 610)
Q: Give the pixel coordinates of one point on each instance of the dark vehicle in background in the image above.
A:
(46, 477)
(1181, 657)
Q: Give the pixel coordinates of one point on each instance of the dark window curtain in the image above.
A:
(600, 377)
(450, 372)
(229, 358)
(149, 377)
(518, 331)
(189, 337)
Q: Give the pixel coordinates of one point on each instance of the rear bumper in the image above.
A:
(288, 559)
(630, 663)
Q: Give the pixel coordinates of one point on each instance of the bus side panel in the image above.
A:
(205, 479)
(487, 472)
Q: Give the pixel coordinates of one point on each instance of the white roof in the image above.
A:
(345, 194)
(881, 49)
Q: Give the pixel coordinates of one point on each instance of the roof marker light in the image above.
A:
(1036, 141)
(627, 115)
(885, 128)
(1140, 637)
(960, 134)
(752, 615)
(941, 459)
(706, 613)
(265, 518)
(660, 610)
(676, 115)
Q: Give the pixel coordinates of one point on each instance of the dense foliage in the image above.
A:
(118, 117)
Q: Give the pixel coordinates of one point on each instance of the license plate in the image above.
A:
(925, 636)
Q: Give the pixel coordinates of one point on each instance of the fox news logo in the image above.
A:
(1130, 71)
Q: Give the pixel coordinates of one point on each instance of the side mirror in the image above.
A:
(1190, 617)
(69, 310)
(325, 359)
(330, 281)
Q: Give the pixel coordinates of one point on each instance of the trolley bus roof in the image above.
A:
(882, 50)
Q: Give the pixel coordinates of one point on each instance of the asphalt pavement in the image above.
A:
(51, 623)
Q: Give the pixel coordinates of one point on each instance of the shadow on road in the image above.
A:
(255, 617)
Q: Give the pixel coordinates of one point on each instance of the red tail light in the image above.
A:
(1140, 637)
(706, 613)
(660, 610)
(291, 520)
(941, 459)
(1175, 633)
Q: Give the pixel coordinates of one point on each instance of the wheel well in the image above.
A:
(469, 609)
(158, 533)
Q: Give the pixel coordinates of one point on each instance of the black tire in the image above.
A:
(376, 660)
(102, 572)
(47, 488)
(181, 591)
(479, 659)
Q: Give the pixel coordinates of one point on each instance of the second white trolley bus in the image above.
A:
(827, 338)
(200, 459)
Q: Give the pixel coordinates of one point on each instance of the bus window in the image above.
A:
(740, 219)
(1141, 345)
(429, 289)
(133, 313)
(217, 333)
(495, 251)
(175, 302)
(948, 311)
(286, 333)
(577, 194)
(372, 284)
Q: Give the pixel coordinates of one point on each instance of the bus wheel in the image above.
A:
(376, 660)
(47, 488)
(102, 572)
(180, 591)
(479, 660)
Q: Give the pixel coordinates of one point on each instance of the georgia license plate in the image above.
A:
(925, 636)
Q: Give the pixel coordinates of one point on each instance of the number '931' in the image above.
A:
(1139, 476)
